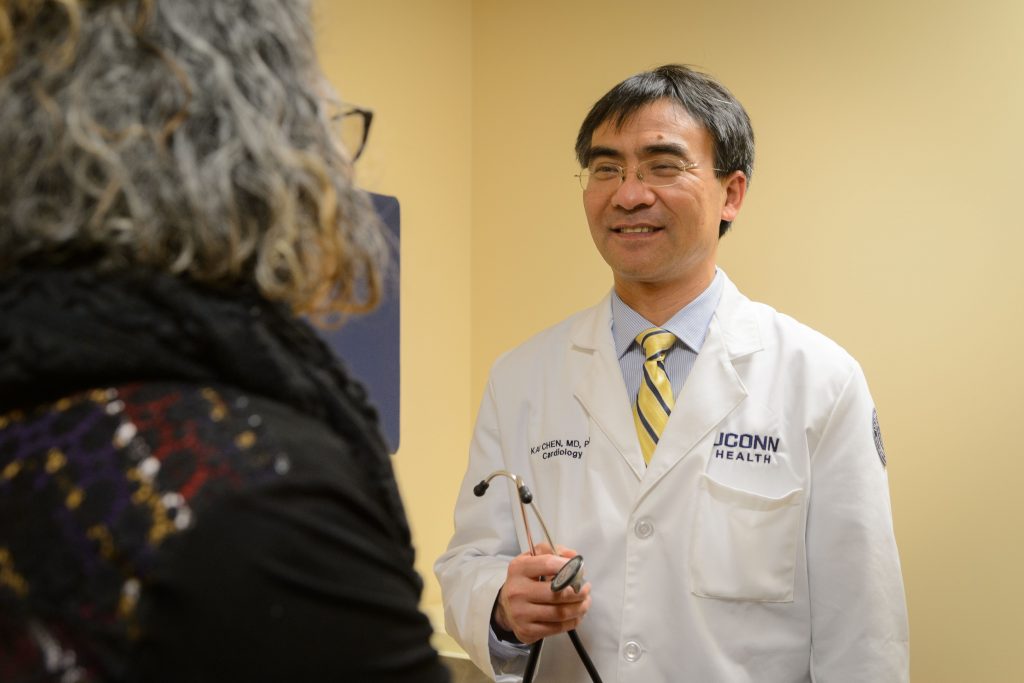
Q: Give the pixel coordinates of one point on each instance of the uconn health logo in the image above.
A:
(754, 448)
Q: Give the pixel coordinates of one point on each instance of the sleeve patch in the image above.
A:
(878, 436)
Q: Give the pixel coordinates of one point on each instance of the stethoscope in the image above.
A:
(571, 573)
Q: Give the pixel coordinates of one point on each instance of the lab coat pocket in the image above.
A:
(744, 545)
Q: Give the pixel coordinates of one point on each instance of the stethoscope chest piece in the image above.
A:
(571, 574)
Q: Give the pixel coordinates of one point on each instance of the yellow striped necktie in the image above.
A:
(654, 400)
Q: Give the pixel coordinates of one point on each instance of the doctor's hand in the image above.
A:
(528, 607)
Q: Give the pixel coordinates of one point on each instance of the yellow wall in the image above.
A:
(881, 213)
(410, 63)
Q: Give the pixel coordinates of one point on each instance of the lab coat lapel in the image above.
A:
(599, 386)
(713, 390)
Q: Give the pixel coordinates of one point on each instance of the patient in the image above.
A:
(191, 487)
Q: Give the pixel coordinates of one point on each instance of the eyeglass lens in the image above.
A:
(651, 172)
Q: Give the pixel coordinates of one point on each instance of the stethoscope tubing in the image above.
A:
(534, 657)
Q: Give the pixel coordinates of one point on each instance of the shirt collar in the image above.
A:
(689, 324)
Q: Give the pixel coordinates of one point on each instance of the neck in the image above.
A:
(658, 302)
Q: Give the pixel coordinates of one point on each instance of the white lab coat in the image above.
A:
(768, 557)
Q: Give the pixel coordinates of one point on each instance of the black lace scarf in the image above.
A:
(67, 330)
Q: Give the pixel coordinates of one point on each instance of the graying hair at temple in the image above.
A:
(181, 135)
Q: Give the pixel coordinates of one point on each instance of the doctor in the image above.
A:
(718, 465)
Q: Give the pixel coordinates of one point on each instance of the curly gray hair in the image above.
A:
(185, 136)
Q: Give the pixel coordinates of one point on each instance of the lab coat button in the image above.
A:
(632, 651)
(643, 528)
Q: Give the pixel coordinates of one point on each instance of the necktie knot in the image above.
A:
(655, 342)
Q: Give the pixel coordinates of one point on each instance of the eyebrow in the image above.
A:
(669, 148)
(595, 152)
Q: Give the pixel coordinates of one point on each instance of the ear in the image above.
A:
(735, 186)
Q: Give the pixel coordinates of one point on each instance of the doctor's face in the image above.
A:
(659, 238)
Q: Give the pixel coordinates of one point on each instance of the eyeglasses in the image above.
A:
(352, 127)
(660, 172)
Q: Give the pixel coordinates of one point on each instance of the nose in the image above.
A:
(632, 193)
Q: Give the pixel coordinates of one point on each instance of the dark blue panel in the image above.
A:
(369, 345)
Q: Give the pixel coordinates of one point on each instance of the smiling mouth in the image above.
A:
(634, 229)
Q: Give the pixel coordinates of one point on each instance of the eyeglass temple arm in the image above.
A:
(525, 498)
